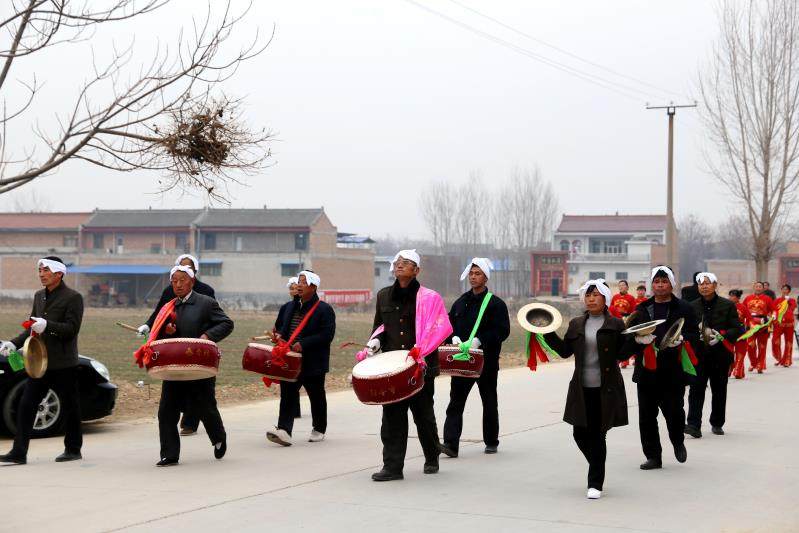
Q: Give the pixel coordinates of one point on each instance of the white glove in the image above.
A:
(715, 336)
(676, 342)
(372, 347)
(143, 330)
(456, 340)
(476, 344)
(645, 339)
(6, 347)
(39, 325)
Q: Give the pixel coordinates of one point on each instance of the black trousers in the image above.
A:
(290, 397)
(713, 368)
(458, 393)
(65, 383)
(394, 428)
(669, 398)
(591, 439)
(195, 397)
(190, 421)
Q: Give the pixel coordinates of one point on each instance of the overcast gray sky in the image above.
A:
(373, 99)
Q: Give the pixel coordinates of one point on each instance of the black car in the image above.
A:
(97, 397)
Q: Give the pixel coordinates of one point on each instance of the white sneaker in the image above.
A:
(279, 436)
(594, 494)
(316, 436)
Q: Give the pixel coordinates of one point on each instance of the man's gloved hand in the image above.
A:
(456, 340)
(39, 325)
(676, 342)
(645, 339)
(6, 348)
(476, 343)
(143, 330)
(714, 336)
(372, 347)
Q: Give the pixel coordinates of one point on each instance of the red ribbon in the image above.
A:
(144, 354)
(282, 348)
(691, 355)
(536, 352)
(727, 344)
(650, 357)
(416, 355)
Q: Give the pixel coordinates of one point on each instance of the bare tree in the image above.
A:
(32, 202)
(750, 92)
(437, 212)
(469, 221)
(162, 116)
(733, 239)
(696, 245)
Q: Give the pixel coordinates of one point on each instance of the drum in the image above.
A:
(258, 358)
(453, 367)
(183, 359)
(386, 378)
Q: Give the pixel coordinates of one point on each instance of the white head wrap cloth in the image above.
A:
(709, 275)
(668, 272)
(54, 266)
(293, 281)
(190, 257)
(410, 255)
(599, 283)
(181, 268)
(311, 277)
(483, 263)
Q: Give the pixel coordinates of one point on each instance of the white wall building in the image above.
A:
(612, 247)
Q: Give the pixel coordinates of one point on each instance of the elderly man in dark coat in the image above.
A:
(596, 400)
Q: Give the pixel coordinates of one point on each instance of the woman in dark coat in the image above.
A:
(596, 400)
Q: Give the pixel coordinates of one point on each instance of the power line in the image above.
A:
(563, 51)
(621, 89)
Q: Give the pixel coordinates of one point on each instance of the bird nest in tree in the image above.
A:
(203, 139)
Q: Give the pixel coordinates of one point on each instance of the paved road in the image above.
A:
(747, 480)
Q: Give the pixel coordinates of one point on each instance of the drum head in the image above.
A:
(384, 364)
(35, 357)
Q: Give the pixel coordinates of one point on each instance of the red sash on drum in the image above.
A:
(282, 348)
(167, 313)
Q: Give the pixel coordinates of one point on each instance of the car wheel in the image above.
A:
(49, 418)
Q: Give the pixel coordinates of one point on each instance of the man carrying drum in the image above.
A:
(56, 318)
(294, 294)
(188, 424)
(197, 316)
(310, 325)
(493, 328)
(405, 327)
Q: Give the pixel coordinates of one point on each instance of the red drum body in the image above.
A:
(386, 378)
(258, 358)
(183, 359)
(453, 367)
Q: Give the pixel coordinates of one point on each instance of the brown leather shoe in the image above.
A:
(185, 432)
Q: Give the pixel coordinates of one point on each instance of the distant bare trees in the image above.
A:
(161, 115)
(750, 92)
(505, 223)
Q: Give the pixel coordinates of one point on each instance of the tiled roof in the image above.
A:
(258, 218)
(614, 223)
(142, 218)
(42, 221)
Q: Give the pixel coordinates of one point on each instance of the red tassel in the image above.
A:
(537, 354)
(268, 382)
(27, 324)
(650, 357)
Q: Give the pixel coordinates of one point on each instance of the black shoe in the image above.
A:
(449, 452)
(717, 430)
(681, 453)
(167, 462)
(385, 475)
(431, 468)
(692, 431)
(68, 456)
(490, 449)
(220, 448)
(13, 459)
(651, 464)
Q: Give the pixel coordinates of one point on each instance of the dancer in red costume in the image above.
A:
(759, 307)
(740, 346)
(784, 314)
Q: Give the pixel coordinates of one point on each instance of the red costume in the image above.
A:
(740, 346)
(759, 307)
(639, 301)
(622, 305)
(783, 329)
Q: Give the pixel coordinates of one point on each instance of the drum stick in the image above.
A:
(261, 338)
(127, 326)
(351, 343)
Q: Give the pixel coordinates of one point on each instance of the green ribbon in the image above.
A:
(754, 329)
(15, 361)
(463, 355)
(551, 353)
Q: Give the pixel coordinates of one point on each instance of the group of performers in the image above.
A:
(714, 335)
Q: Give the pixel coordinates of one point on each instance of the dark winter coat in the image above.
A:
(315, 338)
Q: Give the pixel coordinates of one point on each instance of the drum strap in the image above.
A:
(463, 355)
(144, 354)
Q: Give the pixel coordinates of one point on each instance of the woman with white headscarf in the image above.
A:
(596, 400)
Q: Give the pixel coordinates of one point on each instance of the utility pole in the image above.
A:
(671, 110)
